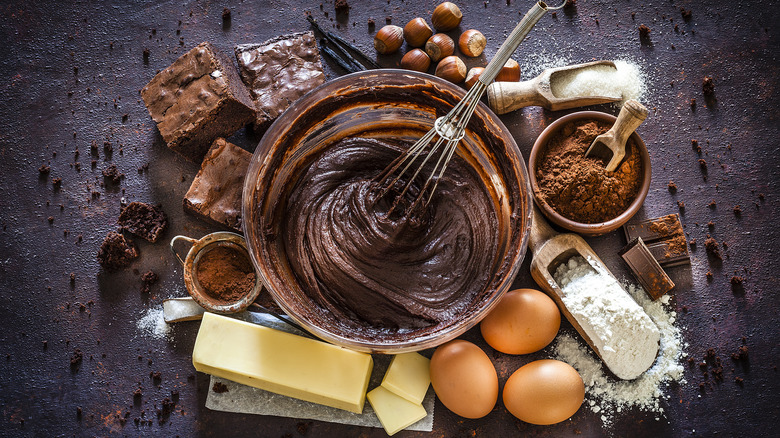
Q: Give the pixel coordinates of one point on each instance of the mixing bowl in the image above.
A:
(386, 105)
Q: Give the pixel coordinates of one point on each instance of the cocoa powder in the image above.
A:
(580, 188)
(226, 274)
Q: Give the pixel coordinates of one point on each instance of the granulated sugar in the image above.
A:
(153, 324)
(608, 396)
(624, 335)
(623, 83)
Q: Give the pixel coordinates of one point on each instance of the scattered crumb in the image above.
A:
(219, 387)
(737, 210)
(708, 85)
(644, 31)
(672, 187)
(712, 247)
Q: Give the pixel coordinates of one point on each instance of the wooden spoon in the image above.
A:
(550, 249)
(611, 145)
(504, 97)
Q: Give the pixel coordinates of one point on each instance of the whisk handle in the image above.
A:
(512, 42)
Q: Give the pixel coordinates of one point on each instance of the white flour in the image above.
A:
(608, 396)
(624, 335)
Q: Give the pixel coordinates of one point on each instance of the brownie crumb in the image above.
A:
(672, 187)
(681, 205)
(79, 412)
(712, 247)
(695, 145)
(226, 16)
(72, 278)
(219, 387)
(737, 283)
(146, 56)
(156, 377)
(741, 354)
(342, 7)
(149, 278)
(712, 204)
(737, 210)
(50, 219)
(144, 220)
(740, 381)
(692, 243)
(76, 358)
(44, 170)
(710, 224)
(167, 406)
(112, 173)
(703, 165)
(371, 23)
(686, 15)
(693, 104)
(116, 252)
(138, 393)
(56, 182)
(644, 31)
(708, 85)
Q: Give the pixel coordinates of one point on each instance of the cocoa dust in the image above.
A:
(226, 274)
(580, 188)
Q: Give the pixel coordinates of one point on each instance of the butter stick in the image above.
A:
(408, 376)
(281, 362)
(394, 412)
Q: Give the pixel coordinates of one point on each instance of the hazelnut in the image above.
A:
(472, 43)
(439, 46)
(417, 32)
(452, 69)
(446, 17)
(388, 39)
(473, 76)
(510, 72)
(416, 60)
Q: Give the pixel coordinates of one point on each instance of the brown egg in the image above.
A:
(544, 392)
(464, 379)
(524, 321)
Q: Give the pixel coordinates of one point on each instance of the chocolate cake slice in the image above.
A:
(278, 72)
(198, 98)
(144, 220)
(215, 193)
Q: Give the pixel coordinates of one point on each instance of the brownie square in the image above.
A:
(144, 220)
(278, 72)
(198, 98)
(116, 252)
(215, 194)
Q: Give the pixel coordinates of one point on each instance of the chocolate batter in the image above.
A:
(389, 272)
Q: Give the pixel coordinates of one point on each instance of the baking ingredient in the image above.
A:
(416, 60)
(394, 412)
(417, 32)
(408, 376)
(464, 379)
(439, 46)
(646, 268)
(388, 39)
(446, 16)
(473, 76)
(580, 188)
(524, 321)
(510, 72)
(282, 362)
(452, 69)
(116, 252)
(622, 333)
(607, 396)
(472, 42)
(153, 324)
(226, 274)
(143, 220)
(624, 81)
(544, 392)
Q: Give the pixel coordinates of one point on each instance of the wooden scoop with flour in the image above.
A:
(504, 97)
(629, 350)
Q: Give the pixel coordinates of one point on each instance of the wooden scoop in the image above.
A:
(504, 97)
(611, 145)
(549, 250)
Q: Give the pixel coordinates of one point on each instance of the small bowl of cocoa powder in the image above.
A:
(577, 193)
(218, 272)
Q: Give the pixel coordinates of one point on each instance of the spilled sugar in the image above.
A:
(152, 323)
(608, 396)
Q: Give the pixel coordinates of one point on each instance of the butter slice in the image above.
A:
(394, 412)
(281, 362)
(408, 376)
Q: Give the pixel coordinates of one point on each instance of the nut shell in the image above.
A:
(388, 39)
(472, 43)
(510, 72)
(452, 69)
(439, 46)
(446, 16)
(416, 60)
(473, 76)
(417, 32)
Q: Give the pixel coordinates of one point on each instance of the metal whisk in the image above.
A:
(451, 128)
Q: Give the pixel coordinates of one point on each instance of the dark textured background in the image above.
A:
(70, 74)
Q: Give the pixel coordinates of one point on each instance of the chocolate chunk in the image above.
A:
(116, 252)
(144, 220)
(215, 193)
(278, 72)
(646, 269)
(198, 98)
(664, 238)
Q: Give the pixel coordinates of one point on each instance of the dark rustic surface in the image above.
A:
(70, 75)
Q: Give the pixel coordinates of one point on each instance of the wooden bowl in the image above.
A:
(594, 229)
